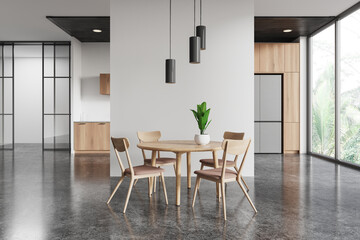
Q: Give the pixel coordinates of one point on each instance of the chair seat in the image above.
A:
(161, 161)
(144, 170)
(210, 162)
(216, 173)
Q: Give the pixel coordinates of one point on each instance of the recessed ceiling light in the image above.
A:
(97, 30)
(287, 30)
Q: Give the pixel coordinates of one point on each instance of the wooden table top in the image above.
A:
(180, 146)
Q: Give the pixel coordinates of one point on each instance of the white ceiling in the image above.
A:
(301, 7)
(25, 20)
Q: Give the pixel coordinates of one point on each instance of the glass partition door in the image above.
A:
(6, 96)
(56, 96)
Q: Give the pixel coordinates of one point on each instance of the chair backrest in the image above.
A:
(152, 136)
(235, 147)
(122, 145)
(234, 135)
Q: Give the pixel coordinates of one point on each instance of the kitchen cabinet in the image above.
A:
(105, 83)
(92, 137)
(271, 57)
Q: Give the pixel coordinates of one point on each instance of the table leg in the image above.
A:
(178, 178)
(188, 156)
(152, 179)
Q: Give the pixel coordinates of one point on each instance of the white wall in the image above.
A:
(75, 85)
(303, 94)
(95, 60)
(140, 99)
(28, 94)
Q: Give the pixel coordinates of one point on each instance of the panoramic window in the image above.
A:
(350, 88)
(323, 92)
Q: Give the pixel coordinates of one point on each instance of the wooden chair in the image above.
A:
(135, 173)
(224, 175)
(210, 161)
(154, 136)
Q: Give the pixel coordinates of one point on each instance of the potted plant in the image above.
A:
(201, 116)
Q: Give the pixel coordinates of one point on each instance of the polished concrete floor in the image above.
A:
(53, 196)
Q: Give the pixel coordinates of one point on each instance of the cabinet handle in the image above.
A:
(81, 123)
(102, 123)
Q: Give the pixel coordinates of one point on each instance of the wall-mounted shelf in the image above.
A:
(105, 83)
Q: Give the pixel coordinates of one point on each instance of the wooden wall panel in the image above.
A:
(257, 58)
(291, 137)
(272, 57)
(292, 57)
(291, 97)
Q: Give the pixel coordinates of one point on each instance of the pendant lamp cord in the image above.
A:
(200, 12)
(194, 17)
(170, 31)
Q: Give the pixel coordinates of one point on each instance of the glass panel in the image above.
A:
(62, 67)
(1, 73)
(48, 95)
(1, 98)
(48, 61)
(323, 92)
(49, 132)
(8, 135)
(62, 61)
(62, 95)
(62, 131)
(8, 62)
(350, 88)
(8, 94)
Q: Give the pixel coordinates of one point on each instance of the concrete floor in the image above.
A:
(53, 196)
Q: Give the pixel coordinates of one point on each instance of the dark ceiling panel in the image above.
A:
(270, 29)
(81, 27)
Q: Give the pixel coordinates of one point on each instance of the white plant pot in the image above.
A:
(202, 139)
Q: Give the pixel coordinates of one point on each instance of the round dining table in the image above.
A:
(180, 147)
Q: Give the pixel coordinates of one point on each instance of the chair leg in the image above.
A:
(247, 195)
(223, 198)
(197, 184)
(136, 182)
(128, 194)
(201, 168)
(218, 188)
(174, 168)
(149, 190)
(164, 187)
(154, 184)
(115, 189)
(247, 187)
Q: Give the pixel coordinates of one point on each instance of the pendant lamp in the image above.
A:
(170, 63)
(194, 43)
(201, 31)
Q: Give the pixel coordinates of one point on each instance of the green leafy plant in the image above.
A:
(202, 116)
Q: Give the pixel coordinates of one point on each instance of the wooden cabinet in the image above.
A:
(291, 137)
(105, 83)
(284, 58)
(257, 58)
(291, 97)
(271, 57)
(92, 137)
(292, 57)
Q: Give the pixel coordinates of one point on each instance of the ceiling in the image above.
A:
(82, 27)
(289, 8)
(26, 20)
(270, 29)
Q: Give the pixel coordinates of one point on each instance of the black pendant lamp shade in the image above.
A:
(170, 63)
(194, 49)
(170, 70)
(194, 43)
(201, 31)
